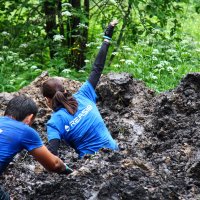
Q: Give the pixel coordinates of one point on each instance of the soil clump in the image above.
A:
(158, 136)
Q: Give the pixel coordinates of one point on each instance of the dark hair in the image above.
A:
(20, 107)
(54, 89)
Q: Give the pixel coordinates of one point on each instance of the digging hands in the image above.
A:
(67, 170)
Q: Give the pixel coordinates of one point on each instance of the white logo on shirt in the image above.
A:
(1, 130)
(79, 117)
(67, 128)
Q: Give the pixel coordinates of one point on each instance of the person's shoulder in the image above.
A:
(11, 122)
(29, 129)
(59, 112)
(87, 86)
(58, 115)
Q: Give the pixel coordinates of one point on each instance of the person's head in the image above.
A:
(56, 96)
(22, 108)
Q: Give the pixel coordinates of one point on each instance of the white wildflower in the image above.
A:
(12, 82)
(126, 48)
(86, 61)
(66, 13)
(155, 51)
(164, 62)
(171, 51)
(154, 58)
(25, 68)
(27, 59)
(14, 54)
(24, 45)
(80, 25)
(67, 4)
(115, 53)
(66, 71)
(4, 33)
(129, 62)
(185, 54)
(32, 55)
(33, 67)
(122, 60)
(9, 58)
(159, 65)
(4, 47)
(81, 71)
(197, 50)
(58, 37)
(156, 30)
(170, 69)
(20, 62)
(117, 66)
(186, 41)
(90, 44)
(154, 77)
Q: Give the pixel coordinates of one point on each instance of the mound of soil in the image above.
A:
(158, 136)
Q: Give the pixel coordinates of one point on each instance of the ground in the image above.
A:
(158, 136)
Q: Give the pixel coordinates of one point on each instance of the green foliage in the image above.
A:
(161, 64)
(157, 41)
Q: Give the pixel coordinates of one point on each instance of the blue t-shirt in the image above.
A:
(85, 131)
(14, 137)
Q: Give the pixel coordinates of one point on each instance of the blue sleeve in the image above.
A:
(88, 91)
(31, 139)
(55, 128)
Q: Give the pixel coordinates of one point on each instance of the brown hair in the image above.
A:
(54, 89)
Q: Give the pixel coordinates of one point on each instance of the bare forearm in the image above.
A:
(49, 161)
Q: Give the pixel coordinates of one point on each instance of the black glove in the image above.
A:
(109, 30)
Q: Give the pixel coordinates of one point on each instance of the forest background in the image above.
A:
(158, 41)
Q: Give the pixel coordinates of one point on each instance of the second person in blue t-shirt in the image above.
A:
(76, 119)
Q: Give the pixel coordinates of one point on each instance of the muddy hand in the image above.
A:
(67, 170)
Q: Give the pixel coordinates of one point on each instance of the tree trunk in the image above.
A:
(60, 19)
(50, 15)
(77, 37)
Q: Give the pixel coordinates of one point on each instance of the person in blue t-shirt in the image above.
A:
(76, 119)
(16, 135)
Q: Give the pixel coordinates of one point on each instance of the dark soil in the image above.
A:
(158, 136)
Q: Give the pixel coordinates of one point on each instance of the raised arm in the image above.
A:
(101, 57)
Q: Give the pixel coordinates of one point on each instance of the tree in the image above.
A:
(77, 33)
(51, 26)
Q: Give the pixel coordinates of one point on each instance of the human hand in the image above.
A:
(67, 170)
(114, 22)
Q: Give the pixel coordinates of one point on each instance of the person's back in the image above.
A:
(85, 131)
(76, 118)
(16, 135)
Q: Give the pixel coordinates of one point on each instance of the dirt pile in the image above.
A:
(158, 135)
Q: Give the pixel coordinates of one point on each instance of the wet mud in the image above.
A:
(158, 136)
